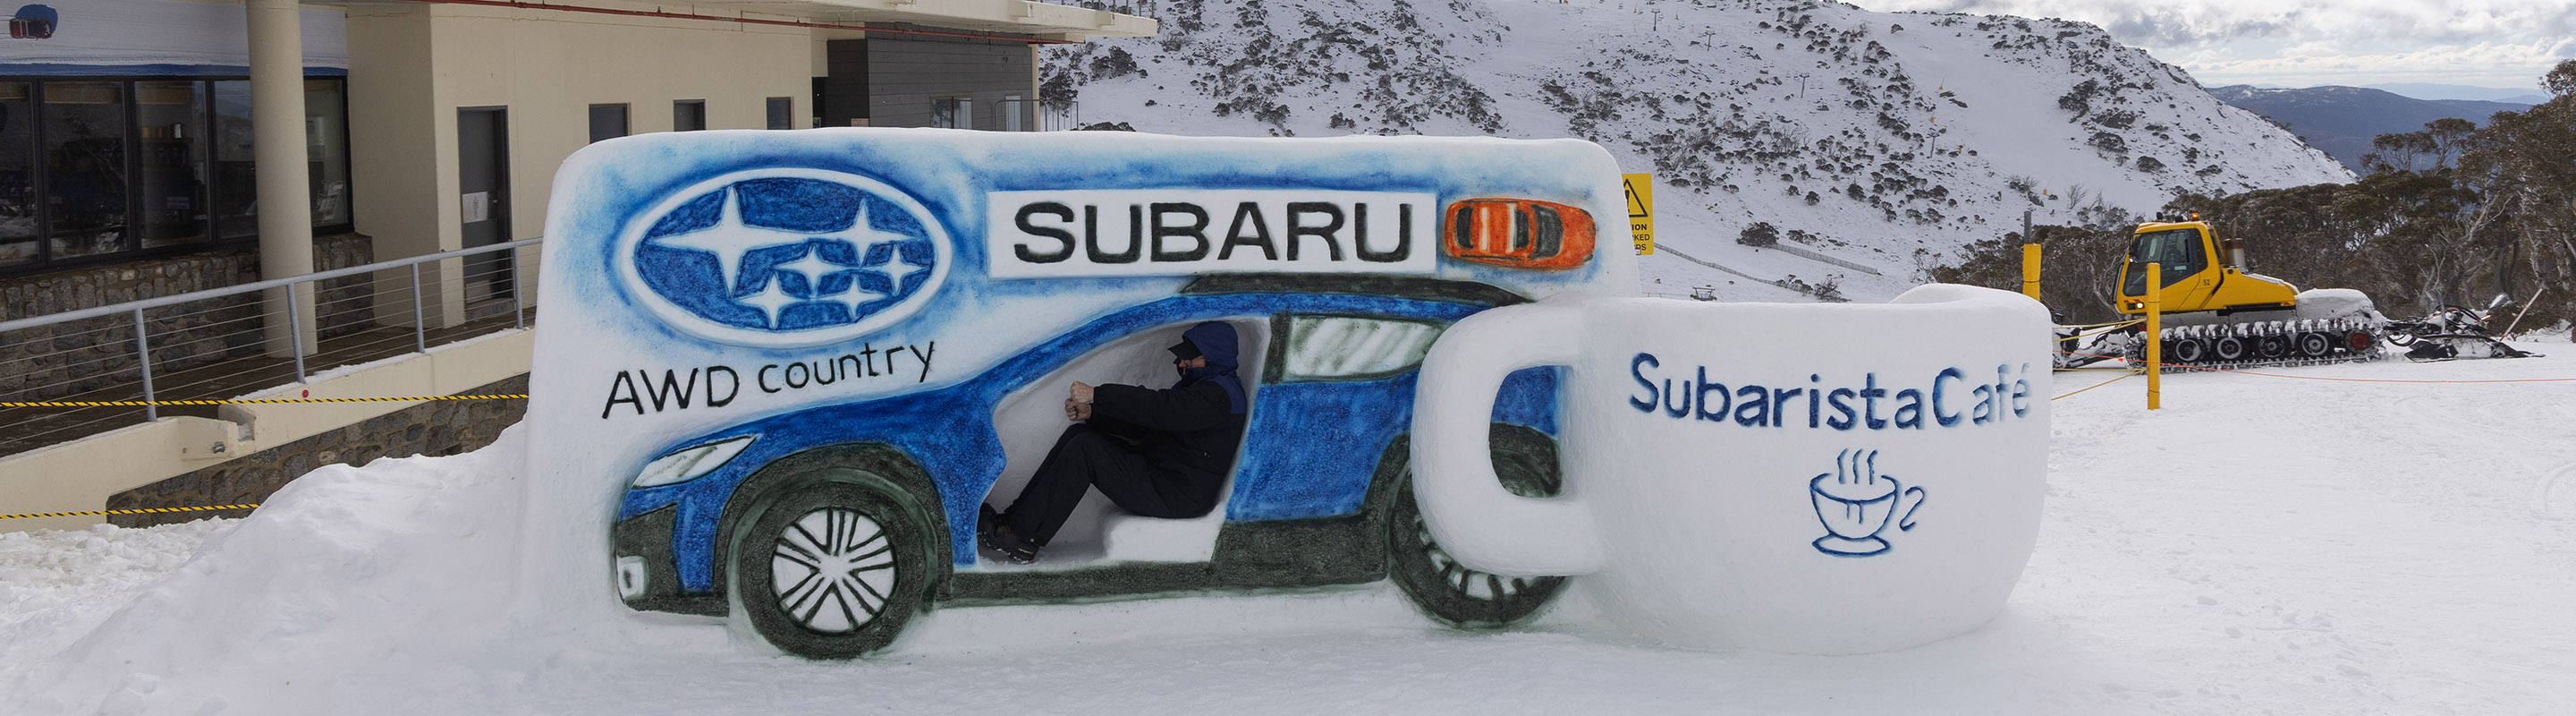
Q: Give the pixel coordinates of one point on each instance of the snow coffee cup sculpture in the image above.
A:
(1825, 479)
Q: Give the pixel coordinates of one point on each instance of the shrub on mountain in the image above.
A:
(1759, 235)
(2109, 142)
(1113, 64)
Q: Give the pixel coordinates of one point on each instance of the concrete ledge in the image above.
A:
(81, 475)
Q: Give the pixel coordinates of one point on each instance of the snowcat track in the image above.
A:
(2203, 346)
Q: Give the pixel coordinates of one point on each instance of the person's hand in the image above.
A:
(1076, 411)
(1082, 392)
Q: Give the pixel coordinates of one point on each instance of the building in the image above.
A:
(135, 159)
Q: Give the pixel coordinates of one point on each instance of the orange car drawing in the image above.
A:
(1521, 233)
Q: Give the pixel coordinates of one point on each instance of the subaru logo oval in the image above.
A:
(784, 258)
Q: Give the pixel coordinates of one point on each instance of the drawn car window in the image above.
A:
(1551, 231)
(1520, 231)
(1349, 348)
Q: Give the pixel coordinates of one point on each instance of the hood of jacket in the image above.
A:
(1215, 340)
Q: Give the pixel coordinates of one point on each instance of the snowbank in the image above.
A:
(391, 564)
(2261, 545)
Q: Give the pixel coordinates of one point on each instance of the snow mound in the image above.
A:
(50, 579)
(391, 563)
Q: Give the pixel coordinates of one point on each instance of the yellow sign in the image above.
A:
(1641, 210)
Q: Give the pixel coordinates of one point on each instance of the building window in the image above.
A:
(18, 219)
(607, 121)
(952, 112)
(1013, 108)
(171, 155)
(105, 170)
(688, 115)
(85, 177)
(779, 109)
(326, 150)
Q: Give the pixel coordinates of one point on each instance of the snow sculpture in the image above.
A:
(1828, 479)
(778, 372)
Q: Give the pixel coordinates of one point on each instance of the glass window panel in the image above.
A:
(688, 115)
(85, 178)
(607, 121)
(326, 149)
(236, 181)
(943, 112)
(170, 119)
(17, 174)
(778, 110)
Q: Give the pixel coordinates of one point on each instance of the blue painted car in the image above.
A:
(827, 528)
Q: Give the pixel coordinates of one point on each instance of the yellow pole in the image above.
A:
(2155, 324)
(2030, 272)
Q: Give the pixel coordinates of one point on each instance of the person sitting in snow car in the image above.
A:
(1156, 453)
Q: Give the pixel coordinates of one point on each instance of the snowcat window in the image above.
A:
(1550, 233)
(1462, 227)
(2171, 247)
(2179, 250)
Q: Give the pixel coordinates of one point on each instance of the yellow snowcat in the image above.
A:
(2197, 275)
(2219, 314)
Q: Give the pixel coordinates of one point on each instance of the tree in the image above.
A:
(2453, 213)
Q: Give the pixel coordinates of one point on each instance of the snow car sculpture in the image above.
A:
(797, 362)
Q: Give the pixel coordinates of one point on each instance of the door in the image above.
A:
(1341, 389)
(483, 188)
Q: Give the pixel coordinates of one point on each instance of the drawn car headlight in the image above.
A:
(691, 463)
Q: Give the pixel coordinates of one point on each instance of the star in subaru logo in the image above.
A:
(785, 257)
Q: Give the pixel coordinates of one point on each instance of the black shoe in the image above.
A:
(998, 537)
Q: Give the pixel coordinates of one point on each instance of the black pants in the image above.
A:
(1086, 457)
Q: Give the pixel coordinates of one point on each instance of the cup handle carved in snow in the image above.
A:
(1463, 503)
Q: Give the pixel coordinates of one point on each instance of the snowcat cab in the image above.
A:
(2200, 273)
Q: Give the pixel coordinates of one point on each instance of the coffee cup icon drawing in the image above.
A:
(1855, 503)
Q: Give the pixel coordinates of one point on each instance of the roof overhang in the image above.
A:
(1012, 17)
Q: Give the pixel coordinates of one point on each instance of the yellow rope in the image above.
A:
(2097, 385)
(140, 403)
(129, 512)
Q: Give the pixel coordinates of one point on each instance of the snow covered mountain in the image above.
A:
(1871, 142)
(2342, 121)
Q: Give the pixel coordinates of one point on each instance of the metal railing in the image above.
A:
(224, 342)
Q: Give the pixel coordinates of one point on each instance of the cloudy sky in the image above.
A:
(2300, 43)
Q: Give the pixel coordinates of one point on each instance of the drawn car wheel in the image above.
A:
(2229, 348)
(2315, 345)
(1525, 459)
(832, 570)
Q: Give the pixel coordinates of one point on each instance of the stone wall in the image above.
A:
(438, 427)
(68, 358)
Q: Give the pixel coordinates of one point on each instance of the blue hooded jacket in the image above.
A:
(1215, 340)
(1193, 427)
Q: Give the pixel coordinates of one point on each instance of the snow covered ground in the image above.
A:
(2290, 545)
